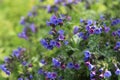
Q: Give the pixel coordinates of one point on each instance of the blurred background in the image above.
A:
(10, 14)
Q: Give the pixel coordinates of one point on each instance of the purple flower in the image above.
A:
(70, 1)
(114, 33)
(86, 59)
(49, 47)
(118, 32)
(61, 32)
(101, 70)
(87, 53)
(54, 21)
(76, 29)
(40, 71)
(3, 68)
(118, 44)
(44, 43)
(60, 21)
(81, 34)
(87, 28)
(89, 22)
(107, 74)
(70, 65)
(32, 27)
(58, 44)
(54, 75)
(51, 75)
(43, 61)
(92, 74)
(61, 37)
(66, 42)
(30, 14)
(91, 67)
(31, 76)
(115, 22)
(81, 20)
(117, 72)
(20, 79)
(56, 62)
(106, 29)
(22, 21)
(97, 31)
(52, 42)
(6, 59)
(57, 1)
(23, 35)
(16, 53)
(77, 66)
(24, 63)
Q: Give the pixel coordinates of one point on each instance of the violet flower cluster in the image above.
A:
(58, 37)
(90, 28)
(28, 25)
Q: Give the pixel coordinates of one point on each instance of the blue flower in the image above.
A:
(61, 32)
(107, 74)
(16, 53)
(58, 44)
(81, 35)
(53, 75)
(20, 78)
(54, 21)
(86, 59)
(6, 59)
(32, 27)
(31, 76)
(70, 65)
(44, 43)
(49, 75)
(66, 42)
(30, 14)
(60, 21)
(56, 62)
(43, 61)
(87, 53)
(106, 29)
(117, 72)
(40, 71)
(118, 32)
(115, 22)
(24, 63)
(70, 1)
(97, 31)
(92, 74)
(23, 35)
(101, 70)
(76, 29)
(114, 33)
(81, 20)
(61, 37)
(22, 21)
(57, 1)
(118, 44)
(77, 66)
(89, 22)
(91, 67)
(3, 68)
(49, 47)
(52, 42)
